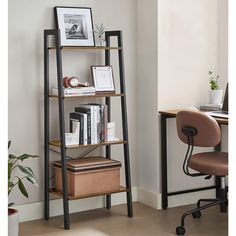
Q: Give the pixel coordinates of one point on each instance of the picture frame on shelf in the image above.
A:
(103, 79)
(76, 26)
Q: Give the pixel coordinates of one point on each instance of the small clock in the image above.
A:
(71, 82)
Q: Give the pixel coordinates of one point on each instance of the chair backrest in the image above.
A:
(208, 130)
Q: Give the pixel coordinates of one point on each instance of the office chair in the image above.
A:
(198, 129)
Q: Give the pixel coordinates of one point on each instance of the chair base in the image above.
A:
(196, 212)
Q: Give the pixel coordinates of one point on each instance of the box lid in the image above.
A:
(89, 163)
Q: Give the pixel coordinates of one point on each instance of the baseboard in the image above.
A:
(153, 199)
(34, 211)
(147, 197)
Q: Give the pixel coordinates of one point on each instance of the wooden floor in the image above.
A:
(146, 222)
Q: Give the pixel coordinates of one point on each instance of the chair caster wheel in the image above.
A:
(180, 230)
(196, 214)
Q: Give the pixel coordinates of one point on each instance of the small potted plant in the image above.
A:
(215, 94)
(15, 162)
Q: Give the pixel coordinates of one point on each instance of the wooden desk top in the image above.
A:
(172, 113)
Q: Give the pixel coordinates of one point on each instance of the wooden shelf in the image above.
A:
(60, 194)
(91, 96)
(56, 143)
(86, 48)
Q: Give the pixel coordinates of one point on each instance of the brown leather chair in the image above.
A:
(198, 129)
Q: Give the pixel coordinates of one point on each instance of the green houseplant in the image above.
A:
(26, 174)
(213, 80)
(215, 94)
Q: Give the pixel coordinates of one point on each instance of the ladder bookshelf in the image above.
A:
(61, 142)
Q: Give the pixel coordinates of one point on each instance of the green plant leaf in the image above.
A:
(10, 186)
(9, 144)
(26, 170)
(22, 188)
(11, 204)
(26, 156)
(9, 170)
(12, 156)
(32, 180)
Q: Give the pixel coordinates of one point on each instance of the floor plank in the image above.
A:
(146, 222)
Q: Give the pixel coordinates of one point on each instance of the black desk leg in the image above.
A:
(164, 196)
(217, 178)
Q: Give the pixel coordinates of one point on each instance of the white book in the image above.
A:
(75, 129)
(74, 91)
(96, 111)
(71, 139)
(85, 128)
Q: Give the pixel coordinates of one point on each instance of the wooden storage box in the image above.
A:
(90, 175)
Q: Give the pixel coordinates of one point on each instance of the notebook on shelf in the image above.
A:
(223, 113)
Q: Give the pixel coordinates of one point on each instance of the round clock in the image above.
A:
(71, 82)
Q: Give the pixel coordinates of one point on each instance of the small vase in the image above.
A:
(101, 42)
(215, 96)
(13, 222)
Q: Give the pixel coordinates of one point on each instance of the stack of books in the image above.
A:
(211, 107)
(81, 91)
(92, 120)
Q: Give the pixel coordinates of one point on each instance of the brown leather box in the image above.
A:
(89, 175)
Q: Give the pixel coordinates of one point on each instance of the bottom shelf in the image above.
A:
(59, 194)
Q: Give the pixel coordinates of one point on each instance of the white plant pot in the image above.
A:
(215, 96)
(13, 222)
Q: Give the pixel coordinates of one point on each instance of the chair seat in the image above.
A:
(210, 163)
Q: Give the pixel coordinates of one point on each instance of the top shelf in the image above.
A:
(86, 48)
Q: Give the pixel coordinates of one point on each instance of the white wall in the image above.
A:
(147, 119)
(27, 20)
(188, 46)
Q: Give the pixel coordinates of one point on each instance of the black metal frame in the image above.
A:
(56, 34)
(164, 180)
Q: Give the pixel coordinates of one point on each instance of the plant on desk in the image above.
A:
(215, 94)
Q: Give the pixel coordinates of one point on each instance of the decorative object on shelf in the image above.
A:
(103, 79)
(100, 32)
(215, 94)
(73, 82)
(76, 26)
(111, 132)
(13, 181)
(101, 173)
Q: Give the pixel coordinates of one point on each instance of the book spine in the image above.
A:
(105, 114)
(95, 124)
(86, 110)
(85, 129)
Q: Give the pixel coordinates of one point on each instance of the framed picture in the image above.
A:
(103, 79)
(76, 26)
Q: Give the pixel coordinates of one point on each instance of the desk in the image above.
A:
(164, 116)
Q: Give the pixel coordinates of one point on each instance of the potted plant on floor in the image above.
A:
(215, 94)
(15, 162)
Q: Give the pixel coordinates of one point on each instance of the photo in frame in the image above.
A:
(76, 26)
(103, 79)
